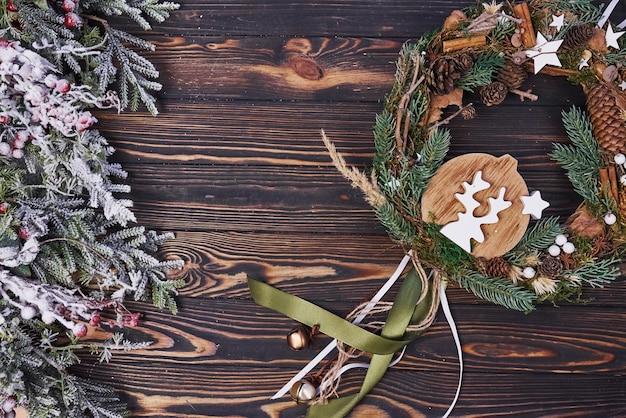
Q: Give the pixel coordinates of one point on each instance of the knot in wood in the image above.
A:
(305, 66)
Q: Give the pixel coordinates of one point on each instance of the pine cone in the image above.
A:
(550, 267)
(512, 74)
(494, 93)
(465, 61)
(443, 73)
(468, 112)
(577, 36)
(605, 105)
(494, 267)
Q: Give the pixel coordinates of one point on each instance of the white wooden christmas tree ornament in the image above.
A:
(468, 226)
(476, 199)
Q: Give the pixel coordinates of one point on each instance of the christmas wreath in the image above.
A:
(471, 221)
(71, 251)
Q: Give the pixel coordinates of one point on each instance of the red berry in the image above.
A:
(24, 233)
(11, 7)
(68, 5)
(72, 20)
(62, 86)
(3, 207)
(95, 319)
(79, 329)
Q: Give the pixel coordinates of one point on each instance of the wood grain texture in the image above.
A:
(234, 165)
(206, 362)
(403, 18)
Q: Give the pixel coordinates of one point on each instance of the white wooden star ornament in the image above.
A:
(534, 204)
(557, 22)
(544, 53)
(622, 85)
(584, 60)
(612, 37)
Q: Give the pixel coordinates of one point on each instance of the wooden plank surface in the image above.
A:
(234, 165)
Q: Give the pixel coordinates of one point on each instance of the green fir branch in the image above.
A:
(384, 140)
(163, 291)
(540, 236)
(482, 72)
(497, 291)
(596, 273)
(504, 29)
(581, 159)
(585, 10)
(398, 227)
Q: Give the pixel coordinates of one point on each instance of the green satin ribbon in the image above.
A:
(330, 324)
(393, 335)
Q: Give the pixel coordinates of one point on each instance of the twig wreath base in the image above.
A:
(473, 223)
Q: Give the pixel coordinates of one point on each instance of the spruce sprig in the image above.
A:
(596, 273)
(584, 10)
(384, 140)
(540, 236)
(497, 291)
(482, 72)
(397, 226)
(581, 159)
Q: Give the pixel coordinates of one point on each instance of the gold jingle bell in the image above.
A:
(299, 337)
(303, 392)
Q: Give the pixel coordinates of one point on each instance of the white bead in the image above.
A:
(529, 272)
(28, 312)
(610, 219)
(560, 239)
(568, 248)
(619, 159)
(554, 250)
(623, 180)
(29, 293)
(48, 317)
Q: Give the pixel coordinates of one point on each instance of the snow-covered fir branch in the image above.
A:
(71, 252)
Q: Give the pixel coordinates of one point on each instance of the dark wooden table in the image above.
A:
(235, 166)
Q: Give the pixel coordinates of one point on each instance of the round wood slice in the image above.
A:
(440, 205)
